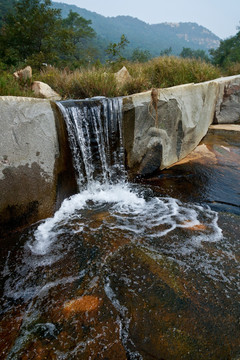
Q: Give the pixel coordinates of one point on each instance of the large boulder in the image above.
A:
(35, 162)
(45, 91)
(163, 126)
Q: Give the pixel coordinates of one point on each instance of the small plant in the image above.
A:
(114, 50)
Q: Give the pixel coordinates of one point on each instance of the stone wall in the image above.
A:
(35, 163)
(160, 127)
(163, 126)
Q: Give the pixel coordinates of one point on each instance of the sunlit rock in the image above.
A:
(45, 91)
(224, 128)
(122, 76)
(158, 134)
(200, 154)
(33, 161)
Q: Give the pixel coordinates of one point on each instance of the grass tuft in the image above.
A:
(83, 83)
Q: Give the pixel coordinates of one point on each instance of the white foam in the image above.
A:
(119, 194)
(153, 218)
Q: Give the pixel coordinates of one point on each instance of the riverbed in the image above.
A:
(142, 270)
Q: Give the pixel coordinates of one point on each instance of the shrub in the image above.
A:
(11, 87)
(170, 71)
(233, 69)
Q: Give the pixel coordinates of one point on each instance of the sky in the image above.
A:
(219, 16)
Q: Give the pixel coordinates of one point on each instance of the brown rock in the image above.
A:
(84, 303)
(199, 227)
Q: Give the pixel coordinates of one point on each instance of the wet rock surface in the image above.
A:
(119, 283)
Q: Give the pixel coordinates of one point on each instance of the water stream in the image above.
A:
(123, 270)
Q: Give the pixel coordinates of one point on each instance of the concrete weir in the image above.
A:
(164, 126)
(160, 127)
(36, 171)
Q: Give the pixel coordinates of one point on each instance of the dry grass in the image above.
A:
(83, 83)
(159, 72)
(80, 84)
(170, 71)
(233, 69)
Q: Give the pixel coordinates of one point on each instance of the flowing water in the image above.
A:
(144, 270)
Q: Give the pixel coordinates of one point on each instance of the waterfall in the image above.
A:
(97, 279)
(95, 138)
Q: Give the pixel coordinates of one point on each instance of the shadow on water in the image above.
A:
(132, 271)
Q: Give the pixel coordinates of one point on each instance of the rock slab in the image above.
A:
(30, 161)
(45, 91)
(163, 126)
(158, 136)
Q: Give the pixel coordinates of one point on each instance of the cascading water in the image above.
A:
(95, 136)
(119, 272)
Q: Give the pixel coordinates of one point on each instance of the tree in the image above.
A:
(140, 55)
(5, 7)
(228, 51)
(78, 26)
(29, 29)
(79, 32)
(114, 50)
(194, 54)
(166, 52)
(35, 32)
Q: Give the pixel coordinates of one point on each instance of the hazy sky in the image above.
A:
(220, 16)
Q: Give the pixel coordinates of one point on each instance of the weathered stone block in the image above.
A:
(169, 129)
(228, 103)
(31, 161)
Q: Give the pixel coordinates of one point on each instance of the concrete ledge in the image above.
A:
(224, 127)
(163, 126)
(32, 161)
(160, 127)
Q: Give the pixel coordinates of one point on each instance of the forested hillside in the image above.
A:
(154, 38)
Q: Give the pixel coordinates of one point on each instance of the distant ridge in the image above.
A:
(154, 38)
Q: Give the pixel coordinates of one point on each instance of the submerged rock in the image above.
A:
(84, 303)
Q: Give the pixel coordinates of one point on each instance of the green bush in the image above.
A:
(9, 86)
(171, 71)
